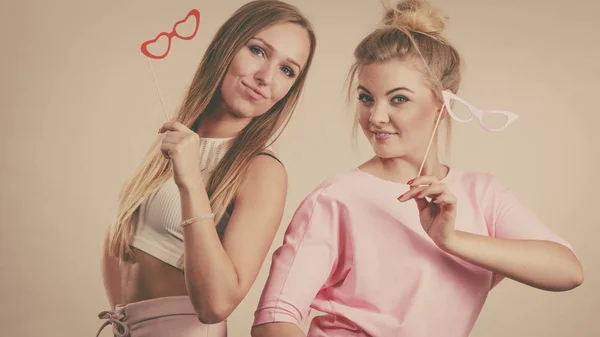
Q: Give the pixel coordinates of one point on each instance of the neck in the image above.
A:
(219, 122)
(403, 169)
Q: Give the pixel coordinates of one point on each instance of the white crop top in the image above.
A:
(158, 231)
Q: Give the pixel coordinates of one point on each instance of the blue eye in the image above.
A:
(365, 99)
(399, 99)
(257, 51)
(288, 71)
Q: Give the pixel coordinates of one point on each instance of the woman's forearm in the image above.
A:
(211, 278)
(541, 264)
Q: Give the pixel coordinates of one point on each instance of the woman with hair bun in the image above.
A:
(403, 245)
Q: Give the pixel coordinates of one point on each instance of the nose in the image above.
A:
(264, 76)
(378, 115)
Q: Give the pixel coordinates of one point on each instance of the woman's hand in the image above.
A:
(438, 215)
(182, 146)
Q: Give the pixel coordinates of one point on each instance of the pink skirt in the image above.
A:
(172, 316)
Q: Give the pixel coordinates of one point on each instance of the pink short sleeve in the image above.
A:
(507, 218)
(303, 264)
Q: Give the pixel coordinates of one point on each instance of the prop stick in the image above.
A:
(162, 102)
(194, 14)
(437, 122)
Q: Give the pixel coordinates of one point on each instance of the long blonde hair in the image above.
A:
(412, 30)
(225, 181)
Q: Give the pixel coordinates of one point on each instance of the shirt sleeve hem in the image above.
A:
(273, 317)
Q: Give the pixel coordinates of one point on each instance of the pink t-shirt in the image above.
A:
(360, 256)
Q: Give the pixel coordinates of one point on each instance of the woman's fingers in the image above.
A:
(423, 180)
(173, 126)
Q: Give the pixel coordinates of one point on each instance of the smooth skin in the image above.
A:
(219, 274)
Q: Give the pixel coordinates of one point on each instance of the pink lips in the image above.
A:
(254, 93)
(382, 135)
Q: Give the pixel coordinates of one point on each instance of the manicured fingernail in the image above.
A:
(410, 182)
(400, 197)
(419, 194)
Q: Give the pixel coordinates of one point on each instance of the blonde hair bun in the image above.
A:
(418, 16)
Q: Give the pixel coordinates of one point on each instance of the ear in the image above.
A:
(444, 112)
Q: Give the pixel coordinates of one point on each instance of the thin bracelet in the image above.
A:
(188, 222)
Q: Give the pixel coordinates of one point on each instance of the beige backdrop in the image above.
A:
(79, 109)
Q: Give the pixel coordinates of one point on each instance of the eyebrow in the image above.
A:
(387, 93)
(273, 49)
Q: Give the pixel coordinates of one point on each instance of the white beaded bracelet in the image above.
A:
(196, 219)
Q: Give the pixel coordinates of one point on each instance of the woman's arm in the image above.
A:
(306, 263)
(519, 247)
(542, 264)
(219, 275)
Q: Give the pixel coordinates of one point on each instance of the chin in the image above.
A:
(238, 107)
(243, 110)
(250, 112)
(242, 113)
(387, 152)
(381, 153)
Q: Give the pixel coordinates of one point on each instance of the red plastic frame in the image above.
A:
(170, 35)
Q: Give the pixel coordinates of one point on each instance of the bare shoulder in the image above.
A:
(266, 169)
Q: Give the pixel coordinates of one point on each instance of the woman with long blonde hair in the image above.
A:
(196, 220)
